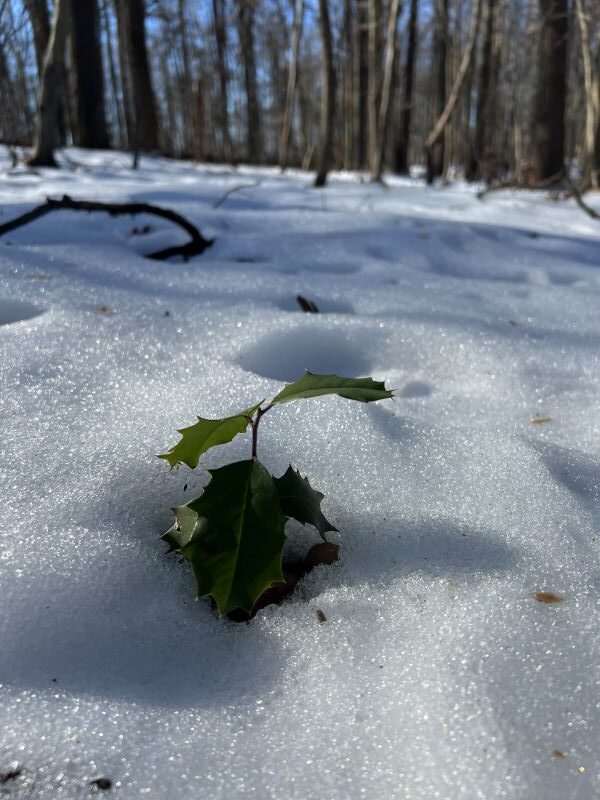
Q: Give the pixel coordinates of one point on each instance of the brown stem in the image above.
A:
(255, 423)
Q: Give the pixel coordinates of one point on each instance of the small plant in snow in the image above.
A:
(233, 534)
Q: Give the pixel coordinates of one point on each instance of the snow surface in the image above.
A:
(437, 674)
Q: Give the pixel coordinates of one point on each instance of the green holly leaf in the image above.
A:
(182, 530)
(206, 433)
(300, 501)
(365, 390)
(235, 542)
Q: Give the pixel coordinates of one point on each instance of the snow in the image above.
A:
(436, 674)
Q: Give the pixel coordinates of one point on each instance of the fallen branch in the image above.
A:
(197, 244)
(577, 196)
(553, 180)
(559, 180)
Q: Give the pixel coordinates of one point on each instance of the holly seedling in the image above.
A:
(233, 534)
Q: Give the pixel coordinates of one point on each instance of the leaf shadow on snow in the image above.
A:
(395, 427)
(141, 641)
(127, 626)
(575, 470)
(382, 551)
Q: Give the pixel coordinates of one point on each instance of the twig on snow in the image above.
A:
(231, 191)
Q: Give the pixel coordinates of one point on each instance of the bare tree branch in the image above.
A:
(197, 244)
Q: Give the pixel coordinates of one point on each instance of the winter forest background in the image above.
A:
(345, 84)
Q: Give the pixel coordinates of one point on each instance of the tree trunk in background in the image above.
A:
(548, 134)
(254, 148)
(348, 83)
(438, 129)
(144, 120)
(123, 53)
(223, 112)
(90, 114)
(291, 84)
(274, 49)
(9, 122)
(587, 166)
(362, 99)
(190, 118)
(386, 89)
(114, 85)
(199, 121)
(325, 153)
(435, 159)
(46, 131)
(401, 156)
(484, 100)
(596, 159)
(374, 60)
(40, 24)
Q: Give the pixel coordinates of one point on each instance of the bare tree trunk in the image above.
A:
(189, 117)
(254, 146)
(169, 95)
(276, 45)
(435, 156)
(121, 127)
(9, 121)
(223, 112)
(386, 89)
(90, 115)
(588, 154)
(327, 97)
(199, 121)
(438, 128)
(348, 84)
(374, 79)
(484, 160)
(145, 132)
(40, 23)
(596, 158)
(401, 156)
(291, 84)
(124, 71)
(362, 99)
(46, 138)
(551, 90)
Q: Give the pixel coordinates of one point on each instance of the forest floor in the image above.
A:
(437, 673)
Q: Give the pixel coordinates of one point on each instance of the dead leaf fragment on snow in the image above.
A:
(321, 616)
(537, 420)
(306, 305)
(322, 553)
(11, 774)
(548, 597)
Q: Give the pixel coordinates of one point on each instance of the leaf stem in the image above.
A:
(254, 423)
